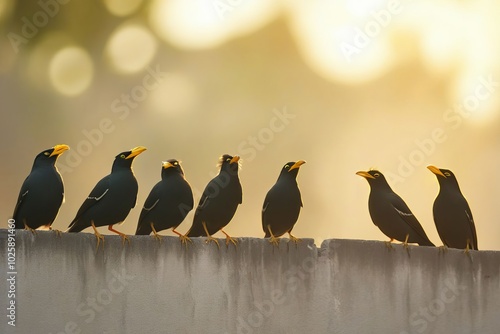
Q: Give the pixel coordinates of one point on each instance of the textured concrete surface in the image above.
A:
(346, 286)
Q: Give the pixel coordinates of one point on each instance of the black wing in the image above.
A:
(98, 193)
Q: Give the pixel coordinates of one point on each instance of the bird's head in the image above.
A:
(124, 159)
(50, 155)
(375, 178)
(171, 166)
(445, 176)
(229, 164)
(291, 169)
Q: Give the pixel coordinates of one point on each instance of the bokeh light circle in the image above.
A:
(71, 70)
(131, 48)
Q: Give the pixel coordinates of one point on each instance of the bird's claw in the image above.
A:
(124, 237)
(294, 239)
(212, 239)
(185, 239)
(27, 228)
(58, 232)
(229, 239)
(388, 244)
(157, 237)
(99, 237)
(275, 241)
(443, 248)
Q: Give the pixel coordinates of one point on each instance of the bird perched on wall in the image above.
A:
(112, 198)
(219, 202)
(282, 204)
(391, 214)
(168, 203)
(42, 192)
(452, 214)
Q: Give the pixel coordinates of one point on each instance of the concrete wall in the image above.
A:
(346, 286)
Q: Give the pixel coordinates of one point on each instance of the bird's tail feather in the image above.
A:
(74, 227)
(196, 229)
(426, 243)
(143, 229)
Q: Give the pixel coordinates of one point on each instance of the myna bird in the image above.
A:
(391, 214)
(42, 192)
(452, 215)
(168, 203)
(112, 198)
(219, 202)
(282, 204)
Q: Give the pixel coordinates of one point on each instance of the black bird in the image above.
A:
(42, 192)
(452, 215)
(112, 198)
(219, 202)
(391, 214)
(168, 203)
(282, 204)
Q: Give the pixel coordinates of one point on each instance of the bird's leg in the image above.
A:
(183, 238)
(405, 243)
(155, 234)
(122, 235)
(209, 237)
(388, 244)
(58, 232)
(27, 228)
(98, 235)
(275, 241)
(467, 248)
(294, 238)
(229, 239)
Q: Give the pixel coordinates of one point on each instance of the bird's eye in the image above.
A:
(287, 166)
(228, 159)
(376, 174)
(46, 153)
(122, 156)
(176, 163)
(447, 174)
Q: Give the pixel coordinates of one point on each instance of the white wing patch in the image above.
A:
(152, 206)
(469, 217)
(403, 213)
(98, 198)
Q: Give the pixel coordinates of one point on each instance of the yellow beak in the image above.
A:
(136, 151)
(166, 164)
(59, 149)
(436, 171)
(296, 165)
(366, 175)
(234, 159)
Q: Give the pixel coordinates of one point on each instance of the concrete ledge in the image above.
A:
(345, 286)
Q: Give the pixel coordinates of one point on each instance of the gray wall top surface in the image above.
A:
(62, 285)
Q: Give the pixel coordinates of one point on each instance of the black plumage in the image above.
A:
(42, 192)
(452, 214)
(219, 202)
(112, 198)
(390, 213)
(282, 204)
(168, 203)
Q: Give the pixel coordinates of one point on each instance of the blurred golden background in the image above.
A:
(395, 85)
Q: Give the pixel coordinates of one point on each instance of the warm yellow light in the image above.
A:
(131, 48)
(5, 8)
(122, 7)
(197, 24)
(339, 46)
(71, 70)
(175, 94)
